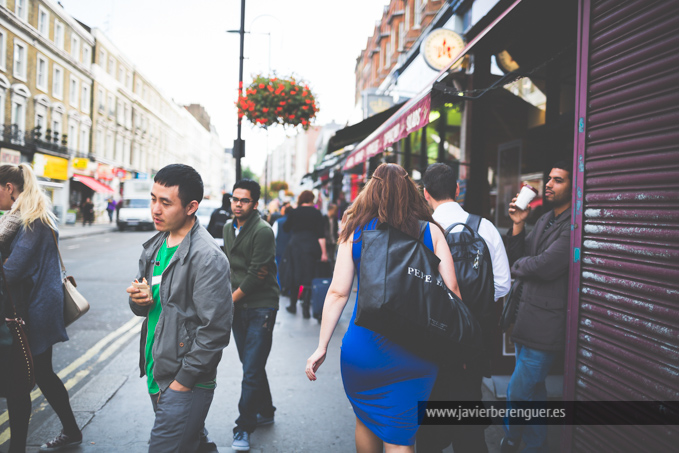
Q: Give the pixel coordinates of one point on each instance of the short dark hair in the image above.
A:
(186, 178)
(226, 200)
(565, 165)
(440, 180)
(252, 186)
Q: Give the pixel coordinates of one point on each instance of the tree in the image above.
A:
(249, 174)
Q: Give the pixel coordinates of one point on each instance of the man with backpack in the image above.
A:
(219, 217)
(482, 270)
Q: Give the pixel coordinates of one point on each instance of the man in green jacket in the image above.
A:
(250, 245)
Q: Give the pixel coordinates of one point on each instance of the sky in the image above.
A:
(184, 49)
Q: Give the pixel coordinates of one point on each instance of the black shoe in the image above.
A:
(506, 446)
(292, 308)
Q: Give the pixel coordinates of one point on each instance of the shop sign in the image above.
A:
(80, 163)
(413, 118)
(104, 172)
(377, 104)
(440, 47)
(119, 173)
(50, 166)
(9, 156)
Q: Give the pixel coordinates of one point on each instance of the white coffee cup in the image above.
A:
(526, 195)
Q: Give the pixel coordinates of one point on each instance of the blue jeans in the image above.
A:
(528, 384)
(180, 420)
(253, 331)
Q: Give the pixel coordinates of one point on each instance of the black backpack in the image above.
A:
(474, 272)
(217, 221)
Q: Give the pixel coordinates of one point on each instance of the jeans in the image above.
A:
(180, 420)
(253, 331)
(528, 384)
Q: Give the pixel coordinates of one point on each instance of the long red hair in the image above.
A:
(391, 197)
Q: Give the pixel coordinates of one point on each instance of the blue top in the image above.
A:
(382, 380)
(33, 276)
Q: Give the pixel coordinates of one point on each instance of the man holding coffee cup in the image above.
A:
(539, 262)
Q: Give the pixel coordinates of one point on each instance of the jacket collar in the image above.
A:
(254, 218)
(558, 221)
(153, 244)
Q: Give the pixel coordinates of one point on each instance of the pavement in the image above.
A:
(115, 412)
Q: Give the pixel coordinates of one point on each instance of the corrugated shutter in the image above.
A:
(623, 339)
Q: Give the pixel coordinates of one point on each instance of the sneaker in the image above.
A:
(262, 420)
(241, 441)
(62, 441)
(507, 446)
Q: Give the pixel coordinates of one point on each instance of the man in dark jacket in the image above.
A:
(251, 248)
(540, 262)
(188, 310)
(219, 217)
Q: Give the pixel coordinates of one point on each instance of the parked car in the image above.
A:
(135, 213)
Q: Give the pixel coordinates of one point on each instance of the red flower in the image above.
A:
(293, 92)
(304, 93)
(282, 103)
(270, 88)
(261, 85)
(265, 109)
(305, 107)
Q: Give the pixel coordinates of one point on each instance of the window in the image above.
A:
(41, 120)
(109, 145)
(137, 88)
(73, 92)
(75, 47)
(121, 74)
(84, 139)
(19, 116)
(119, 149)
(406, 19)
(72, 134)
(3, 46)
(102, 100)
(85, 99)
(128, 80)
(20, 55)
(121, 112)
(56, 124)
(99, 143)
(59, 34)
(41, 73)
(43, 21)
(58, 82)
(418, 13)
(87, 58)
(128, 116)
(102, 59)
(401, 35)
(112, 66)
(2, 110)
(387, 56)
(21, 9)
(111, 105)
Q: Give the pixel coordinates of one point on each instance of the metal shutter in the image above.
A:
(623, 331)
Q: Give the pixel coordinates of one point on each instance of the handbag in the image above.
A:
(402, 296)
(75, 304)
(511, 308)
(22, 377)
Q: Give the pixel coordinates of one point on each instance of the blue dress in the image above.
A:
(382, 380)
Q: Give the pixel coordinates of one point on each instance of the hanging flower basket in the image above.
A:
(269, 101)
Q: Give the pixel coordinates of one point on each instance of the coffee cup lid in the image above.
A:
(531, 188)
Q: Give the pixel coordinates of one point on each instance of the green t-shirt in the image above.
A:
(163, 258)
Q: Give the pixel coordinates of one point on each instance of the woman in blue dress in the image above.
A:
(382, 380)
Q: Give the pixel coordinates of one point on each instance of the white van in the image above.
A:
(135, 208)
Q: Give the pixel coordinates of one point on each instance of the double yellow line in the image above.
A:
(117, 340)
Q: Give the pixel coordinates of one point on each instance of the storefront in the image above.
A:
(89, 181)
(52, 173)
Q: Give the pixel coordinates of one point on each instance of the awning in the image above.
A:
(414, 114)
(93, 184)
(359, 131)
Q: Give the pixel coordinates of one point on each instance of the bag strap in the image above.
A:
(474, 222)
(63, 268)
(450, 228)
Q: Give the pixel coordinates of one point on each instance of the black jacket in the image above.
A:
(540, 260)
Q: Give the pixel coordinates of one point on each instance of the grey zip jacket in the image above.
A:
(197, 310)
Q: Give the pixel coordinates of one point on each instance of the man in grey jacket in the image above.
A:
(540, 263)
(188, 310)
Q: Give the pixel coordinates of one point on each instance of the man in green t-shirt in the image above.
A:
(188, 313)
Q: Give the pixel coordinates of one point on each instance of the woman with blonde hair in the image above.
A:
(33, 279)
(382, 380)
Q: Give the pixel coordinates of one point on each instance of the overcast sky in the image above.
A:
(183, 48)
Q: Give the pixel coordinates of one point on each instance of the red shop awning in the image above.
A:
(93, 184)
(414, 114)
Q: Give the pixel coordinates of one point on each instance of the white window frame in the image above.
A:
(19, 71)
(59, 34)
(23, 14)
(3, 50)
(111, 66)
(103, 58)
(75, 47)
(85, 98)
(41, 111)
(3, 100)
(110, 146)
(101, 104)
(406, 18)
(57, 120)
(87, 56)
(120, 112)
(128, 80)
(387, 55)
(72, 134)
(73, 91)
(111, 105)
(100, 143)
(44, 86)
(58, 82)
(401, 35)
(84, 138)
(43, 21)
(417, 19)
(121, 74)
(19, 99)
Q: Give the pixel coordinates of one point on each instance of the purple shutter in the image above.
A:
(623, 326)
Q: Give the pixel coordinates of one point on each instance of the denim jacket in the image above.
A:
(197, 309)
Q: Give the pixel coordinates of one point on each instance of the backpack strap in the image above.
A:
(474, 222)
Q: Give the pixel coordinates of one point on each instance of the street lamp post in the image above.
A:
(239, 144)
